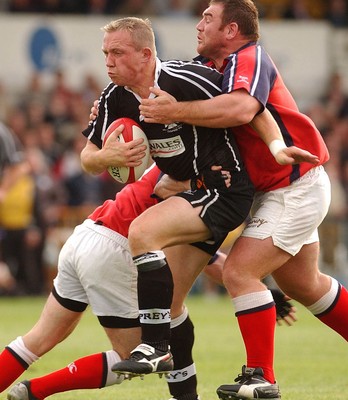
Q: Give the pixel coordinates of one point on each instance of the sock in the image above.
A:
(256, 315)
(332, 309)
(182, 381)
(14, 360)
(90, 372)
(155, 294)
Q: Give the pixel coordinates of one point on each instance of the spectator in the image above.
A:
(81, 188)
(337, 13)
(271, 9)
(305, 9)
(103, 6)
(17, 197)
(172, 8)
(23, 6)
(136, 7)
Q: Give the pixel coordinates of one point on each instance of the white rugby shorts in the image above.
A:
(95, 267)
(291, 215)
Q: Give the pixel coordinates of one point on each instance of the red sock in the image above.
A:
(257, 329)
(337, 315)
(11, 367)
(84, 373)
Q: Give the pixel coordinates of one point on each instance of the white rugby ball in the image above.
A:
(131, 131)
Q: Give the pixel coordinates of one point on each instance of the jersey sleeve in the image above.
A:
(250, 69)
(97, 128)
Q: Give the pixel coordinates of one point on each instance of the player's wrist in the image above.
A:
(276, 146)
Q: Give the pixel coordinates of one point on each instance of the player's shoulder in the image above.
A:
(251, 51)
(112, 90)
(193, 67)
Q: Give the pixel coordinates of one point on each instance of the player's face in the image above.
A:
(210, 37)
(123, 62)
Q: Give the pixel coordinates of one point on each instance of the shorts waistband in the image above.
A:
(103, 230)
(312, 172)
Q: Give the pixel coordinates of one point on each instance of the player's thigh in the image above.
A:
(253, 258)
(123, 340)
(54, 325)
(168, 223)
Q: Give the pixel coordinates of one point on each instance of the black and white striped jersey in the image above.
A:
(179, 149)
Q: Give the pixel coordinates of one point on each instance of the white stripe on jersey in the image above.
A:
(257, 74)
(232, 72)
(106, 108)
(232, 150)
(109, 89)
(180, 74)
(195, 150)
(258, 69)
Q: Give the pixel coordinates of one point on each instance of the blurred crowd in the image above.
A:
(54, 194)
(335, 11)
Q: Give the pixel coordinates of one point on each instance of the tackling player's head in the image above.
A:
(226, 26)
(242, 12)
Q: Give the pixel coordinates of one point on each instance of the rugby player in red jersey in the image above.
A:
(95, 268)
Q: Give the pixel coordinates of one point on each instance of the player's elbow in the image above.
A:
(239, 117)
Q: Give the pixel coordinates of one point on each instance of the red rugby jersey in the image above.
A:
(252, 69)
(130, 202)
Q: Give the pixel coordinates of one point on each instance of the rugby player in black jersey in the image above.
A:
(183, 151)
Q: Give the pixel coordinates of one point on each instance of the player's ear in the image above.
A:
(147, 54)
(232, 30)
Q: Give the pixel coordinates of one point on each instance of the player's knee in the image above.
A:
(140, 238)
(233, 279)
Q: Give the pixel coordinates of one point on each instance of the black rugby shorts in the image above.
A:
(223, 211)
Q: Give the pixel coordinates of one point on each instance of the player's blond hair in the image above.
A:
(140, 30)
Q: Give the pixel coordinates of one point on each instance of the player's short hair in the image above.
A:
(140, 30)
(244, 13)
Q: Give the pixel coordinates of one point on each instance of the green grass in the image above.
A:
(311, 360)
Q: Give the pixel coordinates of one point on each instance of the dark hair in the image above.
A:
(242, 12)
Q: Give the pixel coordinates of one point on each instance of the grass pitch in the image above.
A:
(311, 360)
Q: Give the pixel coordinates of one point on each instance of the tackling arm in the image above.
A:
(227, 110)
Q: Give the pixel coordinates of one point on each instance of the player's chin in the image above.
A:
(202, 50)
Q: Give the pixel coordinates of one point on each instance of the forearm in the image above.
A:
(167, 187)
(92, 160)
(266, 127)
(219, 112)
(268, 130)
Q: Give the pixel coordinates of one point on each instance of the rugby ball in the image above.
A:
(131, 131)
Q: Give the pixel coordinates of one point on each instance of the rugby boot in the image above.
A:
(145, 359)
(251, 385)
(21, 391)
